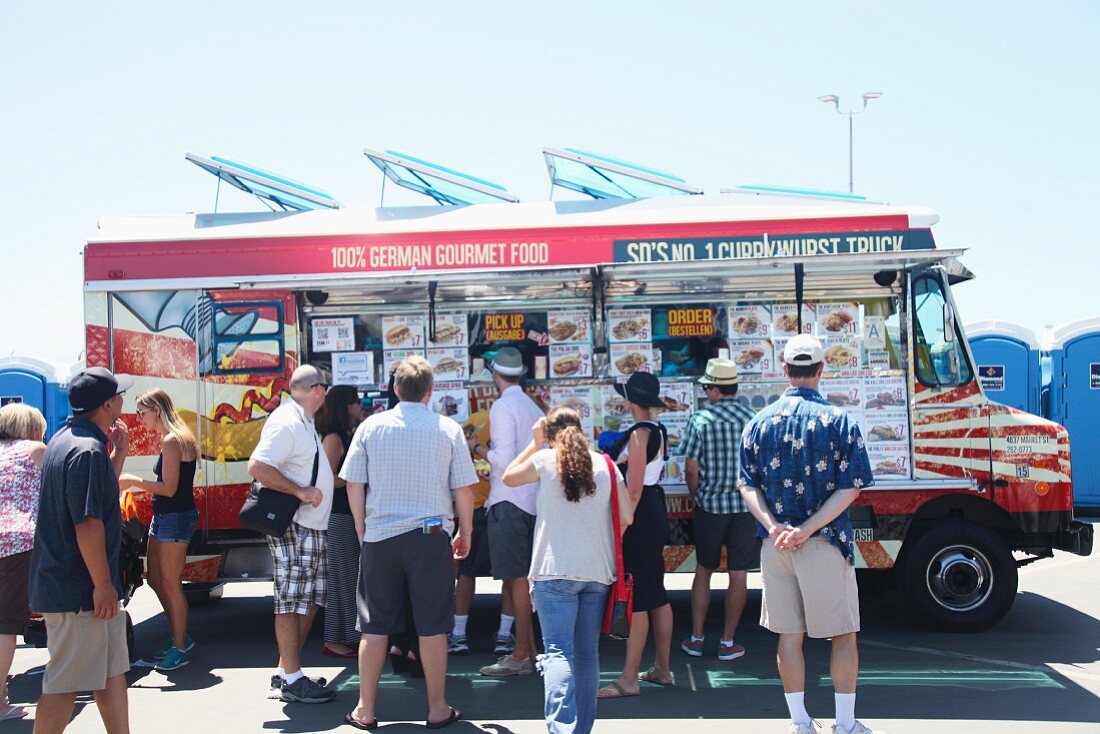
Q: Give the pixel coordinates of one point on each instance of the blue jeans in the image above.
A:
(570, 614)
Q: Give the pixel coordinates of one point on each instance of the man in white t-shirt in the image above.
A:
(511, 510)
(287, 459)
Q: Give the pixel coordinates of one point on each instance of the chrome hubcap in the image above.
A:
(960, 578)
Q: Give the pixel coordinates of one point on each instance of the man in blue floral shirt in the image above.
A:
(803, 462)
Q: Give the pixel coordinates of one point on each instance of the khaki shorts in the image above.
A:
(84, 650)
(810, 590)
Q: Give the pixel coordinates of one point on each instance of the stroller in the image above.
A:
(135, 539)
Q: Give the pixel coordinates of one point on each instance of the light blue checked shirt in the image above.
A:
(411, 460)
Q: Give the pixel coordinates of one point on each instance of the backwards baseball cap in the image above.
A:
(803, 350)
(509, 362)
(94, 386)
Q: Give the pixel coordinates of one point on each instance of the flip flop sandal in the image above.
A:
(455, 716)
(650, 676)
(352, 721)
(614, 690)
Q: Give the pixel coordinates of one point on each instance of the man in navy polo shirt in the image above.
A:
(75, 582)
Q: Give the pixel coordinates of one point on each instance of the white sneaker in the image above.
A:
(814, 727)
(859, 728)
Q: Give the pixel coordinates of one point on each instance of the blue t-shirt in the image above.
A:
(798, 451)
(78, 482)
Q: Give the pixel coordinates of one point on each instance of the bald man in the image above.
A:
(289, 459)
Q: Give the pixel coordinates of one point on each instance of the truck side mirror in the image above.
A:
(948, 323)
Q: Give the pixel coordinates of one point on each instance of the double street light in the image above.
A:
(835, 100)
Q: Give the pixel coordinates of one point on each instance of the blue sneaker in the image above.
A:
(174, 660)
(188, 643)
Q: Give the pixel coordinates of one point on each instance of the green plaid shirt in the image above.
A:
(713, 438)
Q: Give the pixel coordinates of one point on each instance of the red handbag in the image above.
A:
(620, 603)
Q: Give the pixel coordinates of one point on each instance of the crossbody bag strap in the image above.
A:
(316, 465)
(615, 525)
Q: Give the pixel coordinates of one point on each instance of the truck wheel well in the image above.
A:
(964, 507)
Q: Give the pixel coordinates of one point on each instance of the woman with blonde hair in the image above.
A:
(572, 562)
(175, 517)
(22, 428)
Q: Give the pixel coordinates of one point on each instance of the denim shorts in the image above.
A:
(174, 527)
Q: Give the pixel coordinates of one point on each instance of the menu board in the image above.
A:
(888, 461)
(843, 353)
(613, 410)
(835, 319)
(752, 356)
(405, 331)
(887, 426)
(785, 319)
(448, 363)
(626, 359)
(884, 392)
(676, 426)
(391, 358)
(451, 399)
(678, 397)
(570, 360)
(450, 331)
(569, 327)
(747, 322)
(333, 335)
(578, 397)
(845, 393)
(674, 469)
(629, 325)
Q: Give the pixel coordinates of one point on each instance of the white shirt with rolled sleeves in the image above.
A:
(511, 419)
(288, 442)
(411, 459)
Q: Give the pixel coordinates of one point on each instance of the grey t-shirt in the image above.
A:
(78, 482)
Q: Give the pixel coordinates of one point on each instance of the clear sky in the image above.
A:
(989, 116)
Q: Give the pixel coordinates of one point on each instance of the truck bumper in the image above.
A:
(1077, 539)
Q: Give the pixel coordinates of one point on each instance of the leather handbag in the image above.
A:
(269, 511)
(620, 603)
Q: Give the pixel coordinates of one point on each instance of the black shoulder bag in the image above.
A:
(269, 511)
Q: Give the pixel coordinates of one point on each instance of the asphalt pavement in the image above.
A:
(1036, 671)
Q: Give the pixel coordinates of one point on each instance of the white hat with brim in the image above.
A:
(720, 372)
(509, 362)
(803, 351)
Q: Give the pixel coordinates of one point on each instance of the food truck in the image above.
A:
(648, 274)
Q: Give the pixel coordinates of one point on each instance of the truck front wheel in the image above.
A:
(960, 576)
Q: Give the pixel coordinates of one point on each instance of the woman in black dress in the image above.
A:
(641, 455)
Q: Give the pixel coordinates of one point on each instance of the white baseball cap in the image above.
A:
(803, 350)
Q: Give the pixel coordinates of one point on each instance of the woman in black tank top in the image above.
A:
(175, 517)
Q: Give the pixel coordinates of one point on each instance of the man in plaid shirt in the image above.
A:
(711, 444)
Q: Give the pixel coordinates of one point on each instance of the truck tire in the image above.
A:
(960, 576)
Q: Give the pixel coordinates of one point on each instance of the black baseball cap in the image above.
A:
(94, 386)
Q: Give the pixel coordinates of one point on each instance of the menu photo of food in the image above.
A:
(839, 318)
(391, 357)
(403, 331)
(450, 331)
(888, 462)
(752, 356)
(569, 327)
(842, 354)
(674, 470)
(676, 426)
(843, 392)
(678, 397)
(886, 426)
(449, 363)
(613, 409)
(749, 321)
(451, 399)
(579, 398)
(785, 319)
(570, 360)
(884, 393)
(629, 325)
(626, 359)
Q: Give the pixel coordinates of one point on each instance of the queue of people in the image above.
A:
(393, 513)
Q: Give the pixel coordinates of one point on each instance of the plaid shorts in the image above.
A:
(300, 567)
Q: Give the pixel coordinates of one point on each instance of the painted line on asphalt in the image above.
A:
(691, 679)
(1066, 670)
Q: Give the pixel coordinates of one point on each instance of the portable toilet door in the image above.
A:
(1075, 402)
(1006, 357)
(39, 383)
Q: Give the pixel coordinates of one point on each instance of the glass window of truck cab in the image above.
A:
(938, 350)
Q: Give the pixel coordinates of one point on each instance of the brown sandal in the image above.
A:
(650, 676)
(615, 690)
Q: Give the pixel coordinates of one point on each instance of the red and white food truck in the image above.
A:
(218, 309)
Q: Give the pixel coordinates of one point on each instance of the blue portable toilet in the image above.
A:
(37, 382)
(1075, 402)
(1006, 358)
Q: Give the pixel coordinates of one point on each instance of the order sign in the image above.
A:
(690, 322)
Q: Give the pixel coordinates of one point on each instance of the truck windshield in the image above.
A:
(939, 360)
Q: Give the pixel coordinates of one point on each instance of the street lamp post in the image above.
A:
(835, 100)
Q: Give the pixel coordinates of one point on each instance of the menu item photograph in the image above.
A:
(889, 462)
(578, 398)
(748, 321)
(754, 355)
(884, 393)
(843, 355)
(446, 334)
(614, 405)
(843, 393)
(890, 426)
(838, 318)
(677, 397)
(675, 427)
(448, 363)
(785, 319)
(391, 357)
(451, 399)
(561, 331)
(402, 331)
(568, 326)
(629, 324)
(398, 335)
(628, 329)
(570, 360)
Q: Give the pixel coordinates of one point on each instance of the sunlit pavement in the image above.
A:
(1041, 664)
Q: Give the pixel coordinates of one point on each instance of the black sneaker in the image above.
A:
(305, 690)
(275, 692)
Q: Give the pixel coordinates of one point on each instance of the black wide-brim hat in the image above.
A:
(643, 388)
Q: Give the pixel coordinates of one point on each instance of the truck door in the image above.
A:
(950, 414)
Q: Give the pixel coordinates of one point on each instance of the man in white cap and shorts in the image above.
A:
(511, 510)
(803, 462)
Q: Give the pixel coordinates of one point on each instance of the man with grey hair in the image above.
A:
(288, 459)
(415, 469)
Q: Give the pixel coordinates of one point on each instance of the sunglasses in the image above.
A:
(319, 384)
